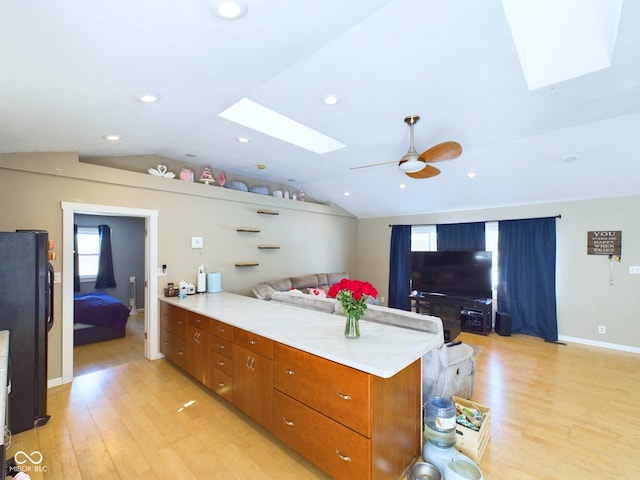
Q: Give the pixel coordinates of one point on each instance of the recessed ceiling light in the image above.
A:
(243, 139)
(472, 174)
(347, 194)
(112, 137)
(229, 9)
(261, 166)
(402, 186)
(330, 99)
(148, 97)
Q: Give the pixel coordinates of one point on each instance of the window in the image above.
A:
(88, 253)
(491, 239)
(423, 238)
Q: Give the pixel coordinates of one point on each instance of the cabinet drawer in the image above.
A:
(173, 347)
(337, 450)
(173, 318)
(253, 342)
(221, 362)
(199, 321)
(222, 384)
(221, 346)
(338, 391)
(221, 329)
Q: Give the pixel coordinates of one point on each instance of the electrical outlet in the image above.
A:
(602, 329)
(382, 300)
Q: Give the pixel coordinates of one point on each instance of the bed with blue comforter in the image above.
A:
(98, 317)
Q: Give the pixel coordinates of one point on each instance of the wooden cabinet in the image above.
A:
(338, 450)
(221, 363)
(173, 321)
(253, 376)
(350, 423)
(198, 347)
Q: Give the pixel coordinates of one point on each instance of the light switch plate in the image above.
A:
(634, 270)
(197, 242)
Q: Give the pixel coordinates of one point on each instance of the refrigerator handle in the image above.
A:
(50, 279)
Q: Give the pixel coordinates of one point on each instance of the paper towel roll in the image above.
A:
(214, 282)
(202, 282)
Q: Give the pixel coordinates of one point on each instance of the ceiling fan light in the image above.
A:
(410, 163)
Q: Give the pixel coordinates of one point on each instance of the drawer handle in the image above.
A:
(220, 346)
(343, 396)
(251, 342)
(346, 458)
(180, 352)
(221, 330)
(288, 422)
(249, 362)
(221, 384)
(288, 371)
(165, 342)
(220, 362)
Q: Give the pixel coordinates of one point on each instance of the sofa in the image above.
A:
(447, 370)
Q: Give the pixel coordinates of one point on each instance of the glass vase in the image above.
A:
(352, 327)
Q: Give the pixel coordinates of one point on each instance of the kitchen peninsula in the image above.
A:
(352, 407)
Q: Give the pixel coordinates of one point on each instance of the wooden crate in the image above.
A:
(468, 441)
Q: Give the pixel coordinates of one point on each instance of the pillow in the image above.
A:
(317, 292)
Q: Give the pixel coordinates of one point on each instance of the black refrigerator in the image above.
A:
(26, 310)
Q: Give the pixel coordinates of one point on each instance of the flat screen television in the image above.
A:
(458, 274)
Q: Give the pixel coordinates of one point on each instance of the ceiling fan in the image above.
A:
(416, 165)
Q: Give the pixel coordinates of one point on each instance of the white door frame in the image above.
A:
(152, 343)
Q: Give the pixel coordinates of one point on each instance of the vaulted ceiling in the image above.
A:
(70, 71)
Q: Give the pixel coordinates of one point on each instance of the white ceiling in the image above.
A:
(70, 71)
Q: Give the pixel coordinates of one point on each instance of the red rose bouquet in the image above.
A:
(352, 295)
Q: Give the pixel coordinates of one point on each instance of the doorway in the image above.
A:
(151, 328)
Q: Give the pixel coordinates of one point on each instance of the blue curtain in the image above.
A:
(400, 267)
(105, 278)
(527, 276)
(461, 237)
(76, 260)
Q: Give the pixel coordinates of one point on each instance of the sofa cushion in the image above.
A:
(299, 299)
(282, 285)
(263, 291)
(303, 282)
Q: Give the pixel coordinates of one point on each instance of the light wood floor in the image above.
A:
(558, 412)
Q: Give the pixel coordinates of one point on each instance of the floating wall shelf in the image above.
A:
(248, 229)
(268, 212)
(247, 264)
(268, 247)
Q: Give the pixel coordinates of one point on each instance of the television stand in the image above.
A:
(468, 314)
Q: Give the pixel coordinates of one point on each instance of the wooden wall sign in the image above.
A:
(604, 242)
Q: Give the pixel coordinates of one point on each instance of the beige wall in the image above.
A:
(585, 298)
(312, 237)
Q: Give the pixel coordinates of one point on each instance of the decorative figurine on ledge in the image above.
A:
(207, 176)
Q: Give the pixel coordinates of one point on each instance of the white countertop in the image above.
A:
(381, 350)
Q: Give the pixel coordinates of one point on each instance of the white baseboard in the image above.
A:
(54, 382)
(594, 343)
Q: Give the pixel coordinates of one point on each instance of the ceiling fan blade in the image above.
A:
(427, 172)
(442, 151)
(373, 165)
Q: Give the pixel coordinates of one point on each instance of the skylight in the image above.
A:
(560, 40)
(257, 117)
